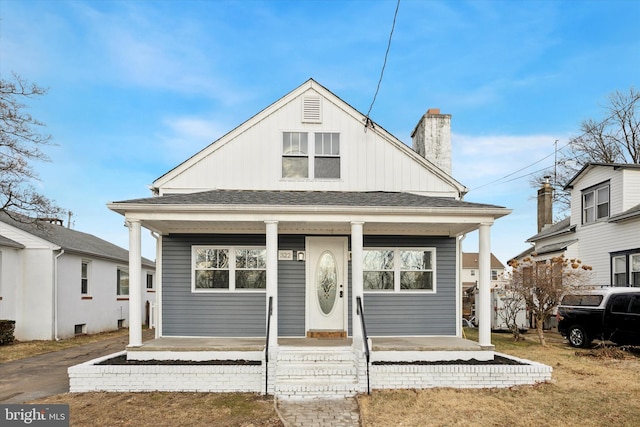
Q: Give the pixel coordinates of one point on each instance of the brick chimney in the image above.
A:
(545, 205)
(431, 138)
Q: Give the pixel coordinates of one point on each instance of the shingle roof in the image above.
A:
(554, 247)
(563, 226)
(73, 240)
(629, 213)
(470, 260)
(308, 198)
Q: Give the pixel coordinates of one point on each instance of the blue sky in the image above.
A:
(136, 87)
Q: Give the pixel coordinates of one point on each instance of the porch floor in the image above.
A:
(257, 344)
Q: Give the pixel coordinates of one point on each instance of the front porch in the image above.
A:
(304, 367)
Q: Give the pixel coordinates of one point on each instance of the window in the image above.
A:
(473, 272)
(494, 274)
(122, 281)
(398, 269)
(634, 261)
(595, 204)
(229, 268)
(149, 281)
(620, 271)
(322, 162)
(84, 278)
(295, 155)
(327, 158)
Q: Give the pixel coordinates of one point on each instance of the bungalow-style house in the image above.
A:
(311, 239)
(603, 229)
(56, 282)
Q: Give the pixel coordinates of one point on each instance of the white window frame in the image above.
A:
(153, 281)
(590, 213)
(311, 156)
(232, 270)
(87, 277)
(615, 272)
(118, 279)
(397, 270)
(632, 270)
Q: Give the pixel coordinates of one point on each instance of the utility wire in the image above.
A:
(384, 64)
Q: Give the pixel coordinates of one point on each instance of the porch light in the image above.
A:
(301, 256)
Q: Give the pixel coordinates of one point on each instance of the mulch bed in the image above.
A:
(497, 360)
(122, 360)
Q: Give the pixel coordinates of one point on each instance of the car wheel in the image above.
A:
(578, 337)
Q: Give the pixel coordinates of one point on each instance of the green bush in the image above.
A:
(7, 327)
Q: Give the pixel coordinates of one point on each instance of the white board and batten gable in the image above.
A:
(251, 156)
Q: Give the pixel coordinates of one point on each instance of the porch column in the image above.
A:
(356, 282)
(483, 308)
(135, 284)
(272, 280)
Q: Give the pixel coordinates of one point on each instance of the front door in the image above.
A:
(326, 285)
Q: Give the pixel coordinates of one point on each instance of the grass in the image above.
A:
(594, 387)
(20, 350)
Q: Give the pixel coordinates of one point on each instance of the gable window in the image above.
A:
(595, 203)
(399, 269)
(327, 155)
(494, 274)
(473, 272)
(229, 268)
(295, 155)
(122, 278)
(84, 278)
(322, 161)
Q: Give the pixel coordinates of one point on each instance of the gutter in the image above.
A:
(55, 295)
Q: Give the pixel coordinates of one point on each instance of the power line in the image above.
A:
(384, 64)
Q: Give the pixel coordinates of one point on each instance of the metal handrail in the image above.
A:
(365, 337)
(266, 347)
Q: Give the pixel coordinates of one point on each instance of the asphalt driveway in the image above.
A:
(46, 374)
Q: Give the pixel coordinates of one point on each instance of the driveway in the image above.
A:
(46, 374)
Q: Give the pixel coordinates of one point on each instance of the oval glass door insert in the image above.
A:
(327, 282)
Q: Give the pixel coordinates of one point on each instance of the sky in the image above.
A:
(136, 87)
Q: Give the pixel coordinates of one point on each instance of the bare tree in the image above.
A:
(614, 139)
(512, 304)
(542, 283)
(20, 145)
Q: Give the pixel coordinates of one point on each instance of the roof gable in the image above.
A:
(249, 157)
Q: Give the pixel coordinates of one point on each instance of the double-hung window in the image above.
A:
(321, 161)
(84, 278)
(620, 270)
(595, 203)
(399, 269)
(229, 268)
(122, 281)
(634, 269)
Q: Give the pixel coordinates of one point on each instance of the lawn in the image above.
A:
(595, 387)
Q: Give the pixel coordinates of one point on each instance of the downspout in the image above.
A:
(55, 295)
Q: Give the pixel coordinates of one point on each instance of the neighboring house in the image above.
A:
(277, 232)
(603, 229)
(56, 282)
(470, 272)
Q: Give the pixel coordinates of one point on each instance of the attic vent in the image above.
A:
(311, 110)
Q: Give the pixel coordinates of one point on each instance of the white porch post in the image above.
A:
(135, 284)
(484, 286)
(357, 281)
(272, 280)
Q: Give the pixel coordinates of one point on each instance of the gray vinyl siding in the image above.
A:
(415, 314)
(291, 289)
(185, 313)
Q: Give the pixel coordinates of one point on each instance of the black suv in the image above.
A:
(611, 314)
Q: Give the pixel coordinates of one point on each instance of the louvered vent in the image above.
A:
(312, 110)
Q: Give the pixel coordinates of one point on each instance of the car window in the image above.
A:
(634, 306)
(582, 300)
(620, 303)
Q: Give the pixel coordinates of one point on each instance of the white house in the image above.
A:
(470, 270)
(309, 234)
(56, 282)
(603, 229)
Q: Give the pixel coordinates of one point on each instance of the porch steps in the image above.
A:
(315, 372)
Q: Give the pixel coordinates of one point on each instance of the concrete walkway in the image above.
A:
(46, 374)
(319, 412)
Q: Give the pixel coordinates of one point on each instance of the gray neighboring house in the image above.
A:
(56, 282)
